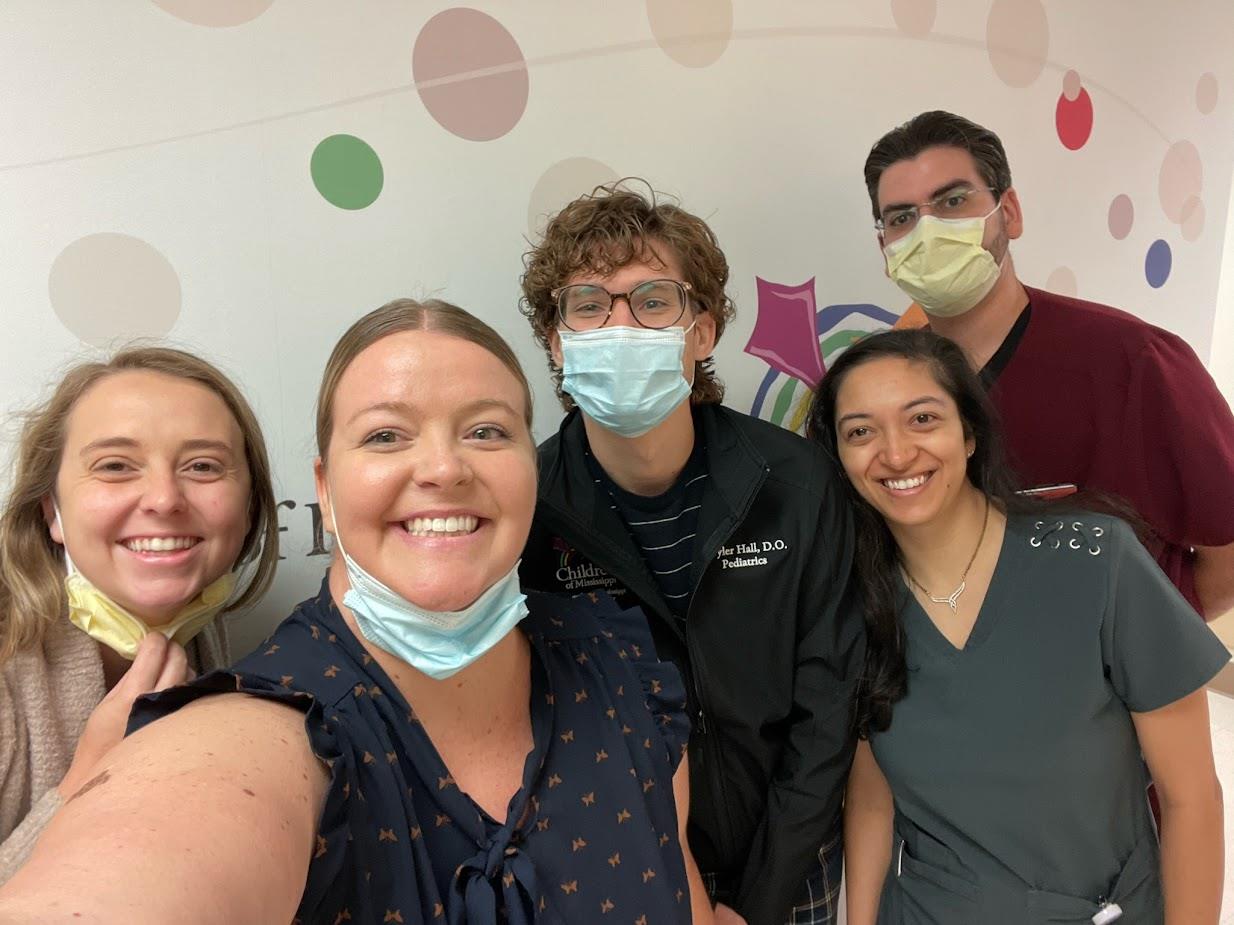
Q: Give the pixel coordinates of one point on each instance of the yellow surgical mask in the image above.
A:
(942, 265)
(105, 621)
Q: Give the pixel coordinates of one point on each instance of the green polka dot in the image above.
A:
(347, 172)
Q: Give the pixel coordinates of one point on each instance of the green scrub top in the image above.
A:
(1018, 783)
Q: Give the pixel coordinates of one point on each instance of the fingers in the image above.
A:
(159, 664)
(146, 668)
(175, 667)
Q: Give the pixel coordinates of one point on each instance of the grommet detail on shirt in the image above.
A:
(1087, 537)
(1051, 533)
(1045, 531)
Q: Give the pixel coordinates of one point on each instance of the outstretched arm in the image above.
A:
(205, 816)
(1177, 745)
(1214, 579)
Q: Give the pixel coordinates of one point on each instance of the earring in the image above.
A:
(969, 454)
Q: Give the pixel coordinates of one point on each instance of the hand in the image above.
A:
(159, 664)
(726, 916)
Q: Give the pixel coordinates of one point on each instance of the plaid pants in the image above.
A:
(820, 896)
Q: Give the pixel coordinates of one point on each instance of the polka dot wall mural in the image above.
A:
(470, 74)
(109, 287)
(694, 33)
(470, 71)
(562, 183)
(347, 172)
(216, 13)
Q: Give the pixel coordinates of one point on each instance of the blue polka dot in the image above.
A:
(1157, 263)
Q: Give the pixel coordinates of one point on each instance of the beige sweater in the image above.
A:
(46, 695)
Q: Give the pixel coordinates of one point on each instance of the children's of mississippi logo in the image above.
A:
(575, 573)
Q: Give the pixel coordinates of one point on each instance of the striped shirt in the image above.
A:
(663, 527)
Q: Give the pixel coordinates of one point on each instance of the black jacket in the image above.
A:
(770, 649)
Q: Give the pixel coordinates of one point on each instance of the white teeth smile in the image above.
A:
(160, 543)
(906, 484)
(442, 526)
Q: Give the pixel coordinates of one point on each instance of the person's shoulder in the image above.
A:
(789, 459)
(549, 448)
(1073, 528)
(777, 445)
(313, 651)
(560, 617)
(570, 427)
(1111, 327)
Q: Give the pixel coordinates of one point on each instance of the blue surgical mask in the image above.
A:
(627, 380)
(436, 643)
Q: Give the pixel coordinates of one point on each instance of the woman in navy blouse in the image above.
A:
(420, 741)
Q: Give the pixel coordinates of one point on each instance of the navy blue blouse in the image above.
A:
(592, 830)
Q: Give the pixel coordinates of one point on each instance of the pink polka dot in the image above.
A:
(1180, 179)
(1121, 216)
(1062, 281)
(215, 13)
(108, 287)
(914, 17)
(1017, 40)
(560, 185)
(1192, 219)
(1074, 120)
(470, 73)
(1072, 85)
(1206, 93)
(694, 33)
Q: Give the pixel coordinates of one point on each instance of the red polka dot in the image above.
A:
(1074, 120)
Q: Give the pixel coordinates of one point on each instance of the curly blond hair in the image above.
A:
(604, 231)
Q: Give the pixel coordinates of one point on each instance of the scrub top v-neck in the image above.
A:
(931, 638)
(1016, 772)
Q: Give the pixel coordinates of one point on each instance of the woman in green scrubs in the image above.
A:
(1022, 657)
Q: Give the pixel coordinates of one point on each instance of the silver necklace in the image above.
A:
(952, 599)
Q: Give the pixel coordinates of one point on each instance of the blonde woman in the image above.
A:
(138, 490)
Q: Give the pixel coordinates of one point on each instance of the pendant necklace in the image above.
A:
(953, 598)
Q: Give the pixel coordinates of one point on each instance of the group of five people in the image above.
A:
(623, 676)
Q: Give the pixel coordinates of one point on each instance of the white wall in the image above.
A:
(130, 118)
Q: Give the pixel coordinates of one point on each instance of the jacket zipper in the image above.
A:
(710, 749)
(710, 746)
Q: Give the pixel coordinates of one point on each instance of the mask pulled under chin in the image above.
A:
(627, 380)
(436, 643)
(942, 266)
(105, 621)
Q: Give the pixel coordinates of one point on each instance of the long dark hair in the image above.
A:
(885, 679)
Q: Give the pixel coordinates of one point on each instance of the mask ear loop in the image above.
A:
(243, 572)
(64, 540)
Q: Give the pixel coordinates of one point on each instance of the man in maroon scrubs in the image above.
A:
(1090, 396)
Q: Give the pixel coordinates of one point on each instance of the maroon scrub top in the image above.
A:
(1096, 397)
